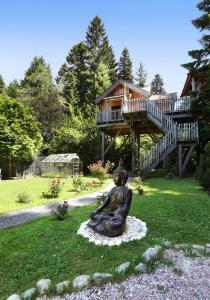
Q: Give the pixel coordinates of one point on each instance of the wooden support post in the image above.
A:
(112, 142)
(102, 146)
(183, 161)
(133, 142)
(180, 160)
(138, 153)
(189, 154)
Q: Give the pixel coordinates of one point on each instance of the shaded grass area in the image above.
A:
(9, 190)
(176, 210)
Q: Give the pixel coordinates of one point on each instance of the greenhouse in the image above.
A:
(63, 165)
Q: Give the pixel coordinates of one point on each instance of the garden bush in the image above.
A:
(203, 172)
(98, 170)
(79, 184)
(61, 211)
(54, 188)
(138, 185)
(23, 198)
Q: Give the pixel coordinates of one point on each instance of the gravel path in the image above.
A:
(163, 284)
(28, 214)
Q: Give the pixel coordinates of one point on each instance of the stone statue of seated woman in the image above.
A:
(110, 218)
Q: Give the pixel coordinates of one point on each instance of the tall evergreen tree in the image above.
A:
(157, 85)
(2, 85)
(201, 56)
(101, 79)
(67, 86)
(200, 106)
(13, 89)
(38, 78)
(141, 75)
(77, 63)
(41, 94)
(125, 66)
(98, 45)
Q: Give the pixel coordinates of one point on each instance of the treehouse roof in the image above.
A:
(60, 158)
(124, 83)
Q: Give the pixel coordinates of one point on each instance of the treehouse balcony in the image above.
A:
(136, 110)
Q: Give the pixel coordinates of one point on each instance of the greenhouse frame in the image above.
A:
(63, 165)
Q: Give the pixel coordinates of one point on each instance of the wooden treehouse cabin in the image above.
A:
(125, 109)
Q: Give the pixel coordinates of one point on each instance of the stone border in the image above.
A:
(151, 255)
(135, 230)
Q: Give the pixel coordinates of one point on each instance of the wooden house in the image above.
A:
(194, 82)
(124, 109)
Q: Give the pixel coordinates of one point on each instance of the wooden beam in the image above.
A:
(179, 160)
(112, 142)
(133, 142)
(138, 151)
(102, 146)
(189, 154)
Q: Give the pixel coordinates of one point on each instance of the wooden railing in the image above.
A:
(165, 105)
(154, 107)
(156, 151)
(174, 132)
(187, 132)
(109, 116)
(133, 105)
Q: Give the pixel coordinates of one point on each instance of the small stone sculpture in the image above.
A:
(110, 218)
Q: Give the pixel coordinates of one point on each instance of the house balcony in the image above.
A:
(109, 117)
(133, 109)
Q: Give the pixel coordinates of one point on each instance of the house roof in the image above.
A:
(122, 82)
(186, 85)
(61, 158)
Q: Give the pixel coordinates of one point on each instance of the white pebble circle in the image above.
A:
(135, 230)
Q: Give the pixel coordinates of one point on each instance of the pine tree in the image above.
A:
(102, 79)
(77, 63)
(125, 66)
(141, 75)
(13, 90)
(67, 86)
(200, 106)
(38, 78)
(40, 93)
(99, 48)
(2, 85)
(157, 85)
(201, 56)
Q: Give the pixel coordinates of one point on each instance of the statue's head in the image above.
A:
(120, 174)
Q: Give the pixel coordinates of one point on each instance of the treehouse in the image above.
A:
(125, 109)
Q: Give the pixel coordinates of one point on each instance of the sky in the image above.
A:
(157, 32)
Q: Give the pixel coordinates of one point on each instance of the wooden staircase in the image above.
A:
(174, 133)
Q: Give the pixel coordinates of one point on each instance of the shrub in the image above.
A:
(23, 198)
(61, 211)
(78, 184)
(95, 183)
(138, 185)
(54, 188)
(98, 170)
(203, 172)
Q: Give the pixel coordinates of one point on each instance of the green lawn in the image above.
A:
(176, 210)
(9, 189)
